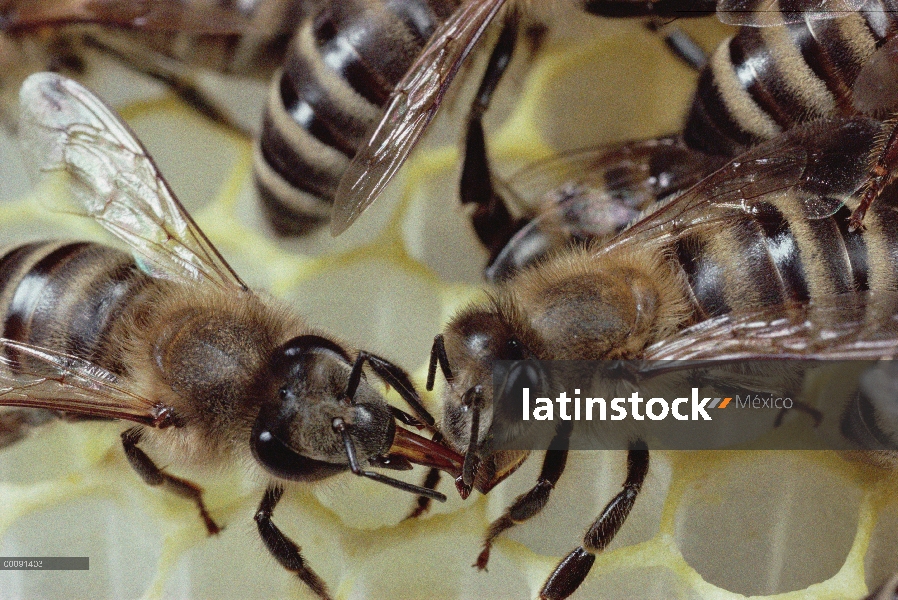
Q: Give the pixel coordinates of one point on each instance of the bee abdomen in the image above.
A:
(765, 80)
(777, 255)
(66, 295)
(341, 67)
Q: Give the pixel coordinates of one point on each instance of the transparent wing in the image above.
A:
(36, 377)
(592, 194)
(65, 128)
(815, 168)
(875, 90)
(770, 13)
(410, 109)
(146, 15)
(644, 170)
(842, 327)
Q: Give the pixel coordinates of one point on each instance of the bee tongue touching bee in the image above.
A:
(757, 260)
(174, 341)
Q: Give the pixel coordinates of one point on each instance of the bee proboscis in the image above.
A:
(174, 341)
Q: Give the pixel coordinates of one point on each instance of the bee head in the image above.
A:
(308, 389)
(467, 352)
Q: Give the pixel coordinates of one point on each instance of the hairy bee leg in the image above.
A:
(430, 482)
(572, 570)
(680, 43)
(284, 550)
(491, 219)
(154, 476)
(168, 72)
(882, 173)
(533, 501)
(16, 424)
(355, 467)
(396, 377)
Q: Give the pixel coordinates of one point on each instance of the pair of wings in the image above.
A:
(66, 129)
(417, 97)
(592, 194)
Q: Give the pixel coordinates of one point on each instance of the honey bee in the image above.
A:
(785, 66)
(580, 197)
(172, 339)
(763, 81)
(168, 40)
(416, 98)
(755, 261)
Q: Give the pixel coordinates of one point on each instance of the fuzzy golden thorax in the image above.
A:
(587, 306)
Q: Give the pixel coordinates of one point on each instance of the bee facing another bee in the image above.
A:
(174, 341)
(755, 261)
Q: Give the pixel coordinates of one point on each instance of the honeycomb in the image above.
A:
(724, 525)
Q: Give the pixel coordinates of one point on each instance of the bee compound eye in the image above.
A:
(279, 459)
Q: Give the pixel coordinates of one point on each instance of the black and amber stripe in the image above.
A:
(765, 80)
(341, 67)
(777, 255)
(67, 296)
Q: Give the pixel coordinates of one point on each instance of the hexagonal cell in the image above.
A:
(768, 522)
(590, 480)
(627, 583)
(16, 181)
(121, 544)
(57, 449)
(622, 84)
(437, 230)
(382, 308)
(235, 564)
(198, 180)
(431, 560)
(881, 560)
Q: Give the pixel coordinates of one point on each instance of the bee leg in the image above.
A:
(572, 570)
(882, 173)
(430, 482)
(438, 356)
(283, 548)
(400, 380)
(174, 76)
(15, 425)
(342, 428)
(393, 376)
(491, 219)
(531, 502)
(679, 43)
(154, 476)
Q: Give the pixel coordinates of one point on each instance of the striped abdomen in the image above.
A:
(765, 80)
(67, 296)
(777, 255)
(341, 67)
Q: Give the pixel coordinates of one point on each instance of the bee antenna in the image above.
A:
(393, 376)
(355, 375)
(342, 428)
(473, 398)
(438, 354)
